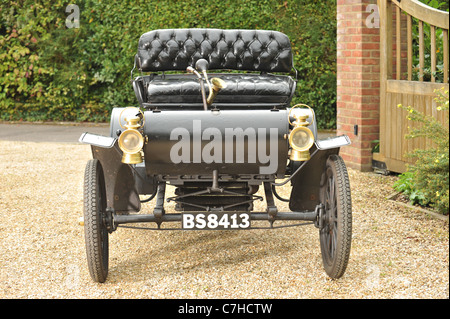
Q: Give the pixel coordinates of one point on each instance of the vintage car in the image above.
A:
(213, 119)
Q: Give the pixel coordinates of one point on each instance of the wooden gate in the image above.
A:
(413, 63)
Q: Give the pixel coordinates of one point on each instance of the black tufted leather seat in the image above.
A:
(242, 50)
(241, 88)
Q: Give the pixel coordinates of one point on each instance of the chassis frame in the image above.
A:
(116, 178)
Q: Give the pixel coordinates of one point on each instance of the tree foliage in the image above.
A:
(51, 72)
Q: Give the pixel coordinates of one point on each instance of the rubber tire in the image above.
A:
(336, 248)
(95, 232)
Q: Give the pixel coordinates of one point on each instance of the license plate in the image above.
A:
(213, 220)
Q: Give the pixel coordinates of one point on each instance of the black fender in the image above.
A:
(305, 193)
(121, 191)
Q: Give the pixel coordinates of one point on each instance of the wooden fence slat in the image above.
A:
(398, 128)
(389, 132)
(410, 48)
(445, 41)
(414, 87)
(421, 51)
(398, 44)
(433, 52)
(410, 141)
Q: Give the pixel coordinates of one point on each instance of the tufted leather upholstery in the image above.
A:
(250, 50)
(241, 88)
(242, 50)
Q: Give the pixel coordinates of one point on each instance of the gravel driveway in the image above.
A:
(396, 252)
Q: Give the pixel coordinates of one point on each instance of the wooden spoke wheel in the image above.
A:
(336, 219)
(95, 230)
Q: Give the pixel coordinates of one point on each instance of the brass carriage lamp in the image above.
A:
(301, 139)
(131, 141)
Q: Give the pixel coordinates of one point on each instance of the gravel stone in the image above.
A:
(397, 252)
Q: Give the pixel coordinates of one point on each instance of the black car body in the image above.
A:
(214, 120)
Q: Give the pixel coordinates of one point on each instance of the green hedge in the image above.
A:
(51, 72)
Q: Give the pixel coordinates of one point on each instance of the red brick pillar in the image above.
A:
(358, 79)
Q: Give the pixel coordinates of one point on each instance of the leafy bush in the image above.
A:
(51, 72)
(407, 186)
(427, 181)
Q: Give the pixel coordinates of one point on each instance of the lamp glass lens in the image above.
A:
(300, 139)
(131, 141)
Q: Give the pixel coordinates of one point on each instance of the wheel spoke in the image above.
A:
(330, 247)
(334, 235)
(331, 187)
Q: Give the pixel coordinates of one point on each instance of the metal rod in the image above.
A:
(202, 86)
(215, 183)
(311, 216)
(158, 210)
(149, 218)
(251, 228)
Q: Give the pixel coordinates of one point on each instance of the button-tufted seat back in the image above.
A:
(249, 50)
(243, 50)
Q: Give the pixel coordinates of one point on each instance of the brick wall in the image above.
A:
(358, 74)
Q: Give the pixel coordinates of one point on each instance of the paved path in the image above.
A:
(61, 133)
(64, 133)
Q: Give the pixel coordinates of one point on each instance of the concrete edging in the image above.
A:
(424, 210)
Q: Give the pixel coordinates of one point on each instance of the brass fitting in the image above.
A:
(301, 139)
(131, 141)
(216, 85)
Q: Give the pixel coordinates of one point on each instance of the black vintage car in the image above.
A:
(214, 120)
